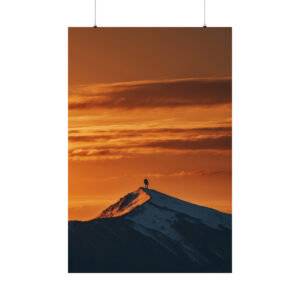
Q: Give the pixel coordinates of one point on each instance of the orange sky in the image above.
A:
(149, 102)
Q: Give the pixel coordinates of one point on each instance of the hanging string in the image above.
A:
(204, 14)
(95, 24)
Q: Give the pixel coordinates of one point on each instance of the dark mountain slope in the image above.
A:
(157, 236)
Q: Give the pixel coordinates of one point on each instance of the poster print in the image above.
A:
(150, 150)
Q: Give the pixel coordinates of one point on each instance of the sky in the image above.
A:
(149, 103)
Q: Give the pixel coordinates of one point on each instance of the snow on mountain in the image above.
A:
(148, 231)
(126, 204)
(154, 214)
(161, 207)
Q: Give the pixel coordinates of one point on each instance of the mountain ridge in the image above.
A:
(155, 233)
(144, 196)
(125, 204)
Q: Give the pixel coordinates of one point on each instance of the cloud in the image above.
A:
(181, 173)
(200, 173)
(152, 94)
(87, 154)
(93, 136)
(219, 143)
(144, 146)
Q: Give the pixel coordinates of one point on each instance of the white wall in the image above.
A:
(33, 151)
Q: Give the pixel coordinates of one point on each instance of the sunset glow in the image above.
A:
(134, 114)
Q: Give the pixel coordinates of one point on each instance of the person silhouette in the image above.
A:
(146, 182)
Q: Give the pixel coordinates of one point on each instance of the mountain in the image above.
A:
(148, 231)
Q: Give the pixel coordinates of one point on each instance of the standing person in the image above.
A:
(146, 182)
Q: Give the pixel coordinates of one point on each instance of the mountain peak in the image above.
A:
(126, 204)
(157, 205)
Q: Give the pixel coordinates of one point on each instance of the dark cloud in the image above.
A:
(219, 143)
(89, 138)
(152, 94)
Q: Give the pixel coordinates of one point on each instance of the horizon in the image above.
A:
(134, 113)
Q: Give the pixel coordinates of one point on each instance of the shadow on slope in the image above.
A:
(113, 245)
